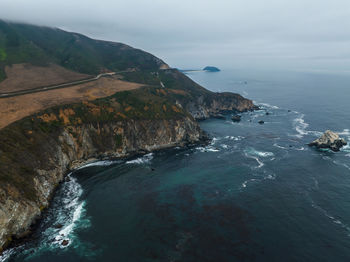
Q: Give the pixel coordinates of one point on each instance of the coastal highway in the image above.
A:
(64, 85)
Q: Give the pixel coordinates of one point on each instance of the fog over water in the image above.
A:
(272, 34)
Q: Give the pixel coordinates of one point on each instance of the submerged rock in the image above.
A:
(236, 118)
(329, 140)
(261, 122)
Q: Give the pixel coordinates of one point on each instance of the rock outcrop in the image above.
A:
(206, 106)
(329, 140)
(236, 118)
(211, 69)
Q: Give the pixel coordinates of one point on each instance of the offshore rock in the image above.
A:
(329, 140)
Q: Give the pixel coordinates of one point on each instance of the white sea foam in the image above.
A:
(100, 163)
(253, 152)
(245, 183)
(69, 214)
(261, 164)
(278, 146)
(331, 217)
(315, 182)
(224, 146)
(300, 126)
(214, 140)
(266, 105)
(345, 132)
(235, 138)
(341, 164)
(141, 160)
(207, 149)
(6, 254)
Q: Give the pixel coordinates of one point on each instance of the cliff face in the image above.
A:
(70, 148)
(206, 106)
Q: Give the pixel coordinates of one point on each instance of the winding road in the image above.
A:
(64, 85)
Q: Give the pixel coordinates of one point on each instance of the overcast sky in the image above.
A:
(273, 34)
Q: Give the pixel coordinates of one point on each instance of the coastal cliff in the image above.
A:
(36, 152)
(203, 107)
(42, 168)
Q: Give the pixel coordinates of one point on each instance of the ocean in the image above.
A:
(255, 193)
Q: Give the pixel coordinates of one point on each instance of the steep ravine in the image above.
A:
(37, 152)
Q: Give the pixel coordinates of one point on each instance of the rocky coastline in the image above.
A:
(37, 159)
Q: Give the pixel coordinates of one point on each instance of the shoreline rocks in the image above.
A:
(329, 140)
(236, 118)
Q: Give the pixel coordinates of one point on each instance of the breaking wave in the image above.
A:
(100, 163)
(141, 160)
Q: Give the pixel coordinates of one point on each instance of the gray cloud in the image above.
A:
(298, 34)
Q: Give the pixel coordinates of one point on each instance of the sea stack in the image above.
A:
(211, 69)
(329, 140)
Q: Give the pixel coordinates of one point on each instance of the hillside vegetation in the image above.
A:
(22, 43)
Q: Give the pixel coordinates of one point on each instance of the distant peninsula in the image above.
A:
(211, 69)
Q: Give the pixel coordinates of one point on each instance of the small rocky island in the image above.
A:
(329, 140)
(211, 69)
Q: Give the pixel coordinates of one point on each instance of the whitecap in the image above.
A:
(254, 152)
(267, 105)
(300, 126)
(315, 133)
(224, 146)
(141, 160)
(346, 149)
(278, 146)
(235, 138)
(245, 183)
(261, 164)
(208, 149)
(345, 132)
(214, 140)
(270, 177)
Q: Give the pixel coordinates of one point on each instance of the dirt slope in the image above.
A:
(15, 108)
(26, 76)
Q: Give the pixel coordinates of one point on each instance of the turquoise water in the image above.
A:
(256, 193)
